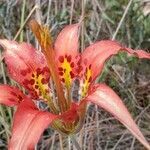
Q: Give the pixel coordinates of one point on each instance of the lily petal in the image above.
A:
(97, 53)
(67, 41)
(10, 96)
(29, 124)
(106, 98)
(66, 49)
(27, 66)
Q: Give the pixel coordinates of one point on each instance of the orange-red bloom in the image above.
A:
(64, 80)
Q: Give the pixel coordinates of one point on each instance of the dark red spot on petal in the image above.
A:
(61, 73)
(23, 72)
(28, 70)
(46, 91)
(38, 71)
(62, 79)
(47, 80)
(61, 59)
(90, 66)
(60, 68)
(90, 79)
(72, 64)
(20, 98)
(85, 76)
(72, 74)
(69, 58)
(32, 81)
(33, 75)
(13, 93)
(80, 68)
(78, 57)
(26, 82)
(34, 94)
(78, 63)
(44, 81)
(11, 99)
(36, 86)
(46, 69)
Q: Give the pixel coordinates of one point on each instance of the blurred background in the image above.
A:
(127, 21)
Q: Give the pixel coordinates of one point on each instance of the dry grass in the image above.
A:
(130, 78)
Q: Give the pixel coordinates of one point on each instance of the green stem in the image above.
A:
(22, 19)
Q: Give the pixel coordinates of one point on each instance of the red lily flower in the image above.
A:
(51, 76)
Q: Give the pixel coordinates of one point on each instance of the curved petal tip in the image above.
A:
(67, 40)
(106, 98)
